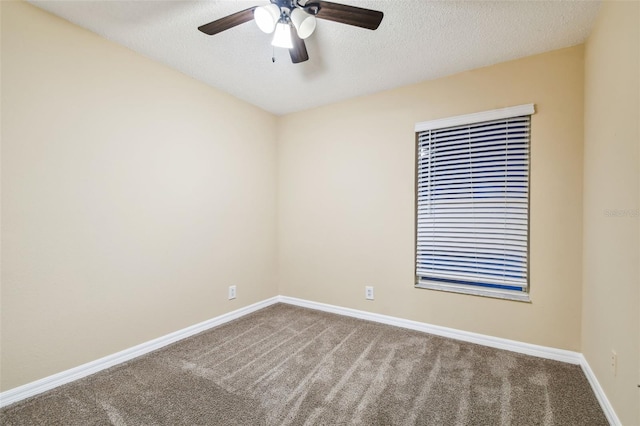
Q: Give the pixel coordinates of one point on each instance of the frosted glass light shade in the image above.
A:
(282, 36)
(305, 24)
(267, 17)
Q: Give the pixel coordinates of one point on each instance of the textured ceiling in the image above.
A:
(417, 40)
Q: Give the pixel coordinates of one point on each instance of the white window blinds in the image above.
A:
(473, 205)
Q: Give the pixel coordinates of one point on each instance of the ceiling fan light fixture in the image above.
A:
(282, 36)
(305, 23)
(267, 17)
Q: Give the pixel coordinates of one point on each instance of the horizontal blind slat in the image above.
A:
(467, 260)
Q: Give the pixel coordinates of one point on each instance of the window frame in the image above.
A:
(462, 120)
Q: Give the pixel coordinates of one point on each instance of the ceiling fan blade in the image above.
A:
(227, 22)
(299, 51)
(350, 15)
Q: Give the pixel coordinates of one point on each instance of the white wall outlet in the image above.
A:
(368, 292)
(232, 292)
(614, 362)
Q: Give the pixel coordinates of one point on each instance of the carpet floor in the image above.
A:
(286, 365)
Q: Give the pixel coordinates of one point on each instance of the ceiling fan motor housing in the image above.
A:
(311, 7)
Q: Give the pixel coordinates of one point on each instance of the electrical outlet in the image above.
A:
(232, 292)
(368, 292)
(614, 362)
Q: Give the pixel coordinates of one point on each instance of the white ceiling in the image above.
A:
(417, 40)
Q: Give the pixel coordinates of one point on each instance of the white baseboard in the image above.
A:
(53, 381)
(48, 383)
(466, 336)
(600, 395)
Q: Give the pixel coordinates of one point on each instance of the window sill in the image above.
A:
(474, 291)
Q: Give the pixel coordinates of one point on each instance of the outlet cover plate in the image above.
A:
(368, 292)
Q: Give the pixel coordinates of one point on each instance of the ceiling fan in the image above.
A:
(280, 16)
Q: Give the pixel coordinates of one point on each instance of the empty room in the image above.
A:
(283, 212)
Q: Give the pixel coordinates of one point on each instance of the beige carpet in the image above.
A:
(289, 365)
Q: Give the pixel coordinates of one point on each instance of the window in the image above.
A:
(472, 203)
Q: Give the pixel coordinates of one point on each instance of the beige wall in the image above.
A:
(611, 172)
(132, 197)
(346, 200)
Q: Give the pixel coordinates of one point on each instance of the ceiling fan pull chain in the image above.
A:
(273, 54)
